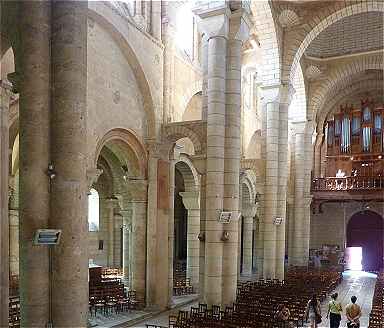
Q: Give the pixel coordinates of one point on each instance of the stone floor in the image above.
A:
(123, 319)
(360, 284)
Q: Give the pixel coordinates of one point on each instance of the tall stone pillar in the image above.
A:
(286, 92)
(69, 154)
(138, 246)
(191, 201)
(297, 257)
(216, 68)
(34, 109)
(127, 231)
(238, 31)
(156, 19)
(171, 231)
(248, 215)
(151, 281)
(14, 242)
(317, 155)
(271, 106)
(112, 203)
(5, 88)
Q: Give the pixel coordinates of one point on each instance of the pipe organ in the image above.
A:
(355, 141)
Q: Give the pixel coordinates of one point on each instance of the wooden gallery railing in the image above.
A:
(348, 183)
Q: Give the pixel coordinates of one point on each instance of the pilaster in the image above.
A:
(5, 89)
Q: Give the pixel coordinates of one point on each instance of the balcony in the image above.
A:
(360, 183)
(341, 189)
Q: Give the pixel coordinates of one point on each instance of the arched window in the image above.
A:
(93, 210)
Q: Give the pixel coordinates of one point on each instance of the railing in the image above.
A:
(348, 183)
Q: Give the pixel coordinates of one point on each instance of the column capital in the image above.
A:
(93, 175)
(213, 18)
(191, 199)
(250, 210)
(112, 202)
(280, 93)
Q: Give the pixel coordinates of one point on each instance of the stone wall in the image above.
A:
(328, 227)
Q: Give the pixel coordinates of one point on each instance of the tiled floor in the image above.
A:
(361, 284)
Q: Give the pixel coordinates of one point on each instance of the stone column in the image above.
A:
(69, 155)
(151, 281)
(5, 88)
(317, 155)
(112, 203)
(34, 111)
(138, 238)
(271, 106)
(14, 242)
(232, 160)
(156, 19)
(286, 92)
(191, 201)
(298, 139)
(171, 231)
(127, 229)
(248, 215)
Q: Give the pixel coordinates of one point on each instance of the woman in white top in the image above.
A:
(313, 311)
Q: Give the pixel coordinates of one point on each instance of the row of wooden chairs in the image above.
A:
(257, 302)
(14, 311)
(376, 317)
(114, 304)
(182, 287)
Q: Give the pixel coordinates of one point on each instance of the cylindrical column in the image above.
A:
(204, 66)
(151, 226)
(217, 51)
(247, 245)
(14, 242)
(317, 155)
(191, 201)
(232, 167)
(271, 189)
(4, 223)
(111, 203)
(282, 184)
(156, 19)
(127, 226)
(299, 171)
(34, 106)
(171, 231)
(69, 153)
(138, 245)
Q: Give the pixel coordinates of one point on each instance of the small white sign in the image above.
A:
(225, 217)
(278, 221)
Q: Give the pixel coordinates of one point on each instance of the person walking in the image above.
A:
(353, 313)
(334, 312)
(313, 311)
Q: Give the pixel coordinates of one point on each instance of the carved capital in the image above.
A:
(250, 210)
(191, 199)
(93, 175)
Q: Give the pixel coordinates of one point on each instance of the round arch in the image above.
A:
(130, 140)
(323, 19)
(365, 229)
(339, 78)
(189, 173)
(364, 86)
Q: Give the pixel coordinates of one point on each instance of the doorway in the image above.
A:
(365, 230)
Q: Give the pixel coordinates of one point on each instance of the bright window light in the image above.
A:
(93, 210)
(354, 257)
(184, 28)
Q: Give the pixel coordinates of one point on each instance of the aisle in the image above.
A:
(358, 283)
